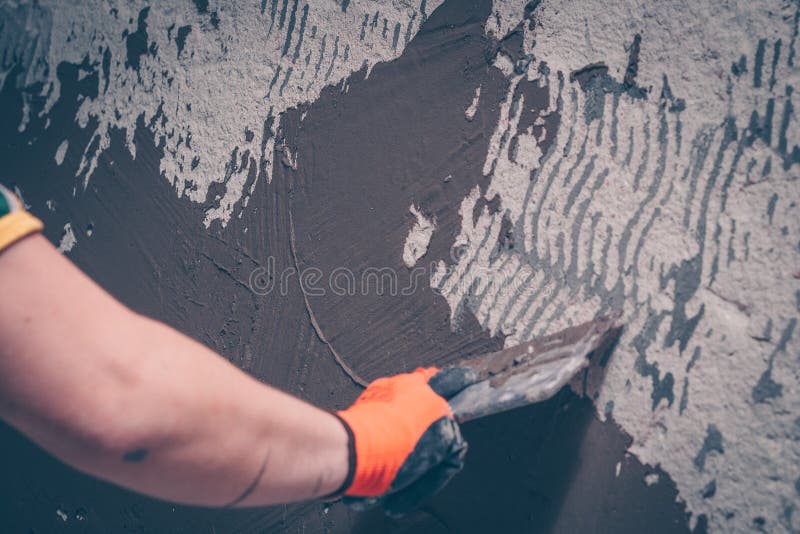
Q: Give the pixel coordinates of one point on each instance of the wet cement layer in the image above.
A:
(362, 157)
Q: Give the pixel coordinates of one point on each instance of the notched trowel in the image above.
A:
(523, 374)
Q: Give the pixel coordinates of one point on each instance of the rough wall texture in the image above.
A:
(668, 188)
(539, 162)
(210, 81)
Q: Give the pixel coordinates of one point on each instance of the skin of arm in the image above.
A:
(132, 401)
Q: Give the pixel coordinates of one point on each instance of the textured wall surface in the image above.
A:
(668, 188)
(520, 166)
(211, 82)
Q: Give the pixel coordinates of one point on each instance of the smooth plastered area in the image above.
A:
(328, 192)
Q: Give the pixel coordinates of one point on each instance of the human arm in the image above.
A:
(132, 401)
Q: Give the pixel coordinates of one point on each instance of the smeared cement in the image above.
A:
(473, 106)
(419, 237)
(68, 239)
(645, 160)
(61, 152)
(210, 80)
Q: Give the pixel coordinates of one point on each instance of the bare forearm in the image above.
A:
(195, 429)
(135, 402)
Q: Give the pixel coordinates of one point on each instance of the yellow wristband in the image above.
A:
(17, 225)
(15, 222)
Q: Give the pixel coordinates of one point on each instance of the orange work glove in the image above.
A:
(404, 443)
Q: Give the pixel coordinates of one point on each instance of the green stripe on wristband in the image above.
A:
(7, 201)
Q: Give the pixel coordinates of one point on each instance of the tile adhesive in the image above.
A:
(644, 160)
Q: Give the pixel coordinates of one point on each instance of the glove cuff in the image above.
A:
(15, 222)
(351, 461)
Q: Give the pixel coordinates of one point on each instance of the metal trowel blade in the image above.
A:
(530, 372)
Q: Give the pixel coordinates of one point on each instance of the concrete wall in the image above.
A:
(520, 167)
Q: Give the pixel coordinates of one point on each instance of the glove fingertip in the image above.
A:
(451, 380)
